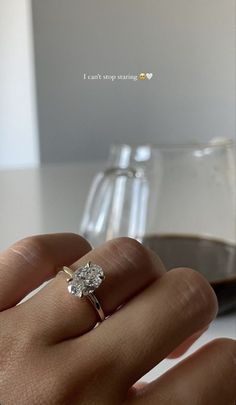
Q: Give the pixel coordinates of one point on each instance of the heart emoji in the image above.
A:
(149, 76)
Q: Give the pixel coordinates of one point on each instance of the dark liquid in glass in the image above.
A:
(215, 259)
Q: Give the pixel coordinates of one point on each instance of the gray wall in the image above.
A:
(189, 45)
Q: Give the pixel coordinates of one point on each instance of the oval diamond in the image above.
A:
(86, 279)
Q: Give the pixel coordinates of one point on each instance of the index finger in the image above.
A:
(33, 260)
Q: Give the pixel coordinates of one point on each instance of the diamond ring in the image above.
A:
(83, 281)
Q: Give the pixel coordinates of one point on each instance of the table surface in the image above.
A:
(51, 199)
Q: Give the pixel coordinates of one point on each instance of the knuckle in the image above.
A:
(125, 244)
(39, 245)
(126, 249)
(195, 294)
(32, 248)
(135, 254)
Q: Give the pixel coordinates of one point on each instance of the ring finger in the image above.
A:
(128, 266)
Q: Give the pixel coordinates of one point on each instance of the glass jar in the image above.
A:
(178, 200)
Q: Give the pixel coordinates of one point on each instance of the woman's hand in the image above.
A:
(51, 354)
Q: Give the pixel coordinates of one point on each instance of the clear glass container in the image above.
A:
(178, 200)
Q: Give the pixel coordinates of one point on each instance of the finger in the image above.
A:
(33, 260)
(187, 344)
(128, 266)
(154, 323)
(205, 378)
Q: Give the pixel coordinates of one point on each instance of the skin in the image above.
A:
(50, 352)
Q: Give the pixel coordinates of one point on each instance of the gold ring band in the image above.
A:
(96, 304)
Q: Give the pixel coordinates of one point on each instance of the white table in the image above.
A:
(51, 199)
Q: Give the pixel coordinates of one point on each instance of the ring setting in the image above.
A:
(84, 281)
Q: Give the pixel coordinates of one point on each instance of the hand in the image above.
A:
(51, 354)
